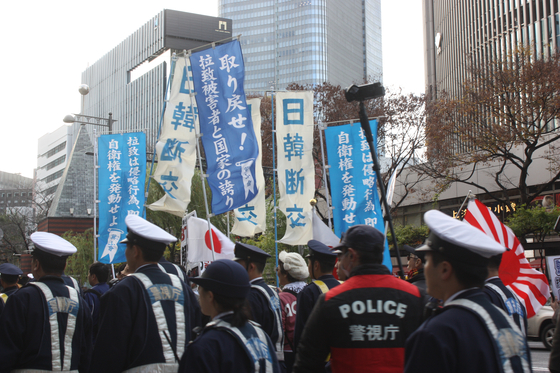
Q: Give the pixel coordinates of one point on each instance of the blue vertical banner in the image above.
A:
(353, 181)
(122, 175)
(228, 139)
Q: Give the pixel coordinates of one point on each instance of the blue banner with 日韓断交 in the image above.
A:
(122, 176)
(353, 180)
(228, 139)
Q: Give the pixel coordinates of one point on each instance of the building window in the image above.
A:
(56, 162)
(56, 149)
(53, 177)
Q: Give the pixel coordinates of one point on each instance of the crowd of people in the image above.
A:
(453, 314)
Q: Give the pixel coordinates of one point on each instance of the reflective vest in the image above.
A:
(177, 268)
(274, 304)
(252, 339)
(512, 305)
(169, 352)
(69, 305)
(508, 339)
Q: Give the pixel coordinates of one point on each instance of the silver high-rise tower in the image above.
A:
(307, 42)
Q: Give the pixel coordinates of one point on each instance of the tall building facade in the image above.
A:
(456, 32)
(307, 42)
(130, 80)
(53, 152)
(16, 192)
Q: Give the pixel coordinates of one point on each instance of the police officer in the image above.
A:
(166, 266)
(502, 297)
(146, 319)
(320, 264)
(364, 322)
(9, 281)
(415, 266)
(264, 302)
(469, 334)
(45, 325)
(230, 343)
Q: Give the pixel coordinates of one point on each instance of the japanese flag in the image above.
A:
(199, 244)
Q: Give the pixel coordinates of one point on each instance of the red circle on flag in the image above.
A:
(217, 243)
(510, 267)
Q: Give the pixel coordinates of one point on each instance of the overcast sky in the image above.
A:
(47, 44)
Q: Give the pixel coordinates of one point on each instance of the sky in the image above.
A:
(47, 44)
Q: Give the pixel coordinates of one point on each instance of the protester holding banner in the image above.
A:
(230, 343)
(264, 302)
(46, 325)
(146, 319)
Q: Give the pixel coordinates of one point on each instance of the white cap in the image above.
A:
(445, 230)
(294, 264)
(146, 230)
(52, 244)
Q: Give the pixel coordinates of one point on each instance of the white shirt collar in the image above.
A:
(491, 278)
(220, 315)
(255, 279)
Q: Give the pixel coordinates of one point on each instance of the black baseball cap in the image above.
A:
(361, 237)
(225, 277)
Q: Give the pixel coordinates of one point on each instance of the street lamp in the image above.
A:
(87, 119)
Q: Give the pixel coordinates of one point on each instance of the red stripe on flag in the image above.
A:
(533, 282)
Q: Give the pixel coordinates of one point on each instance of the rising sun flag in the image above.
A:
(530, 285)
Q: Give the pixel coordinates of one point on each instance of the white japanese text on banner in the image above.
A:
(176, 147)
(353, 181)
(251, 218)
(228, 137)
(122, 176)
(296, 172)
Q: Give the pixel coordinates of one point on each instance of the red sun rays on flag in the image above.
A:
(530, 285)
(217, 243)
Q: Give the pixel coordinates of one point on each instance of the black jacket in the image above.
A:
(363, 323)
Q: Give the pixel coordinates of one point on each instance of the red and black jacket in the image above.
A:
(363, 324)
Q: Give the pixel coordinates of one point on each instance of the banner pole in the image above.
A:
(165, 99)
(322, 127)
(274, 184)
(465, 201)
(364, 121)
(95, 196)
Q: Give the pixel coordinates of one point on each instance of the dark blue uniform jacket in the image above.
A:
(512, 306)
(306, 300)
(128, 335)
(455, 340)
(25, 330)
(262, 312)
(217, 351)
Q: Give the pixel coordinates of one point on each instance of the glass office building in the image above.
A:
(307, 42)
(483, 30)
(130, 80)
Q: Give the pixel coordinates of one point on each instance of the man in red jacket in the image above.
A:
(364, 322)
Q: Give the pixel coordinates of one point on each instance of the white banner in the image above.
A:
(322, 232)
(176, 147)
(251, 218)
(296, 172)
(199, 245)
(553, 265)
